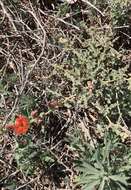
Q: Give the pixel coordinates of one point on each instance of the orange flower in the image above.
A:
(21, 125)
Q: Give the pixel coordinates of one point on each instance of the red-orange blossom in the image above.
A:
(21, 125)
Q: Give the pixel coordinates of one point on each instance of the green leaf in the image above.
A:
(89, 169)
(121, 187)
(10, 186)
(119, 178)
(87, 179)
(102, 184)
(99, 166)
(92, 185)
(106, 151)
(49, 159)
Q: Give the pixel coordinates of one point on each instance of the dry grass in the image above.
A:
(34, 43)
